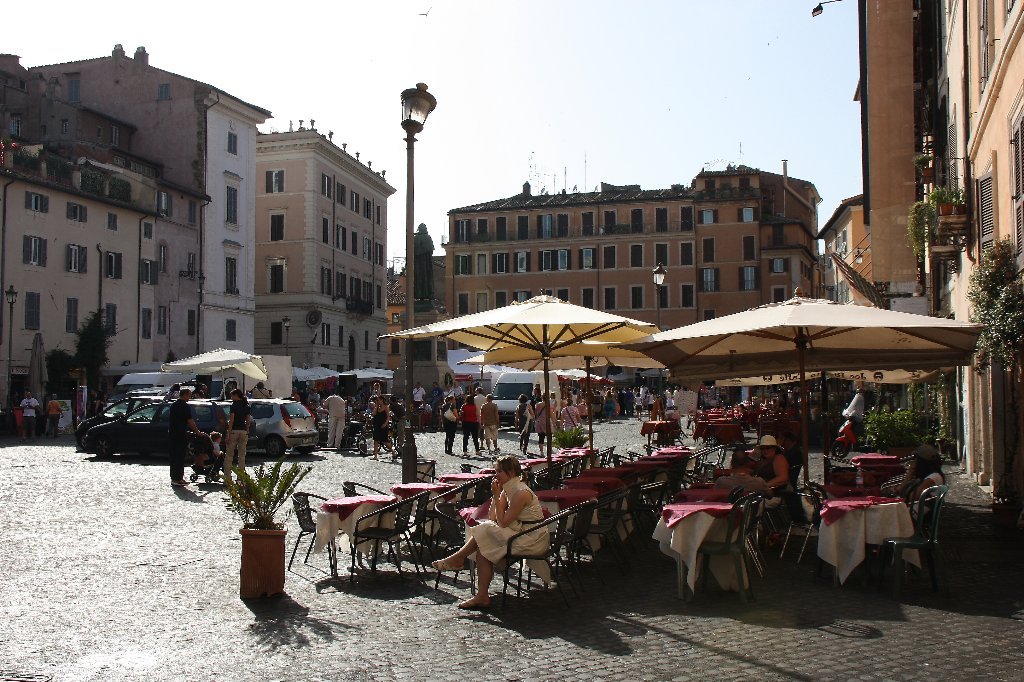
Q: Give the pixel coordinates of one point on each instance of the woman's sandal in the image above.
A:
(446, 565)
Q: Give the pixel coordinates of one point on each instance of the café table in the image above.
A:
(338, 515)
(601, 484)
(835, 491)
(874, 458)
(407, 490)
(462, 478)
(723, 432)
(850, 524)
(666, 431)
(681, 530)
(554, 501)
(625, 473)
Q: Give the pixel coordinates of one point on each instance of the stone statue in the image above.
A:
(423, 265)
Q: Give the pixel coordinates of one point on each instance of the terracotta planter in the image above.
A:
(927, 174)
(262, 570)
(959, 209)
(945, 209)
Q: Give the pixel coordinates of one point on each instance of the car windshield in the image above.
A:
(117, 409)
(512, 390)
(144, 415)
(297, 410)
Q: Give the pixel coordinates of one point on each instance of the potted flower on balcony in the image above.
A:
(923, 163)
(947, 199)
(257, 498)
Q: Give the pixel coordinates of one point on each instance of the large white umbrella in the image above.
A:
(368, 373)
(544, 325)
(218, 361)
(802, 335)
(313, 373)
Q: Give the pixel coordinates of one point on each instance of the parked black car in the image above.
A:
(112, 412)
(145, 430)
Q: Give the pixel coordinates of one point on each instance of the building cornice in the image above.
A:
(289, 144)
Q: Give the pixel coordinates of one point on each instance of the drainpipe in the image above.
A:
(138, 295)
(3, 250)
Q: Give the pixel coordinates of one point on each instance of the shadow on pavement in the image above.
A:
(282, 621)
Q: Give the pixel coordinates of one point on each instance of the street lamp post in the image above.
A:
(12, 297)
(417, 104)
(287, 322)
(658, 274)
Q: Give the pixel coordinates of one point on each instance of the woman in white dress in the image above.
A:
(513, 507)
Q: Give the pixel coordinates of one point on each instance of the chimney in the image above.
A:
(118, 51)
(141, 56)
(526, 188)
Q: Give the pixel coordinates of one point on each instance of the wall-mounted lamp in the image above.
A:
(858, 256)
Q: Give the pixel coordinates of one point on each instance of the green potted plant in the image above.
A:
(896, 433)
(920, 221)
(257, 498)
(923, 164)
(947, 199)
(570, 438)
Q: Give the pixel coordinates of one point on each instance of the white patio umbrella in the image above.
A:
(313, 373)
(878, 376)
(802, 335)
(543, 325)
(218, 361)
(369, 373)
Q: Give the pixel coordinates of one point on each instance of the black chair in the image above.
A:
(611, 511)
(448, 537)
(550, 478)
(399, 528)
(426, 470)
(804, 509)
(925, 538)
(578, 531)
(734, 544)
(307, 525)
(557, 525)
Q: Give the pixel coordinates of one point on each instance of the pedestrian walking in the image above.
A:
(524, 417)
(180, 423)
(29, 405)
(239, 421)
(53, 414)
(450, 419)
(470, 426)
(489, 422)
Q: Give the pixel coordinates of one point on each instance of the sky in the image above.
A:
(561, 93)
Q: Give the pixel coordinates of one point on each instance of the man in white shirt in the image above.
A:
(479, 399)
(29, 405)
(336, 412)
(855, 411)
(418, 394)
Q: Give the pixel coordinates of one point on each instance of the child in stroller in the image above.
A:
(209, 460)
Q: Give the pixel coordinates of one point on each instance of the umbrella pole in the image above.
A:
(801, 345)
(547, 404)
(590, 403)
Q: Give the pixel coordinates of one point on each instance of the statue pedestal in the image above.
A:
(429, 363)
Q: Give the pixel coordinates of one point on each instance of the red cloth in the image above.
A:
(474, 515)
(604, 472)
(875, 458)
(344, 506)
(601, 485)
(833, 510)
(673, 513)
(405, 490)
(468, 413)
(672, 451)
(568, 497)
(725, 432)
(841, 491)
(647, 428)
(643, 466)
(577, 452)
(702, 495)
(461, 478)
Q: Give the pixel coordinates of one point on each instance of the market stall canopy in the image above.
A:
(314, 373)
(369, 373)
(878, 376)
(832, 337)
(220, 360)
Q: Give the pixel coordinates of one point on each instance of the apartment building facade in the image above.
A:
(205, 140)
(321, 240)
(732, 240)
(846, 263)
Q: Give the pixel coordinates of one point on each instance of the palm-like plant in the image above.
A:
(570, 438)
(257, 497)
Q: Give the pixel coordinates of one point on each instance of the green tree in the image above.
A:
(92, 342)
(59, 365)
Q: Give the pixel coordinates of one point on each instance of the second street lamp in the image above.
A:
(658, 274)
(287, 323)
(12, 297)
(417, 104)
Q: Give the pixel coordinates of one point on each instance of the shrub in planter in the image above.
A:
(900, 429)
(570, 438)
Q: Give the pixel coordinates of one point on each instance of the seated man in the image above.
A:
(794, 457)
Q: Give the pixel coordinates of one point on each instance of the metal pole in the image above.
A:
(590, 405)
(10, 342)
(409, 455)
(801, 345)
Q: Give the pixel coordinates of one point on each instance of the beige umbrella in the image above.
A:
(543, 325)
(802, 335)
(878, 376)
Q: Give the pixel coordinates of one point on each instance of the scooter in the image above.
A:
(845, 441)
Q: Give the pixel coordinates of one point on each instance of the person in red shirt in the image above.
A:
(470, 426)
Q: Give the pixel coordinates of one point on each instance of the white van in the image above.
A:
(509, 386)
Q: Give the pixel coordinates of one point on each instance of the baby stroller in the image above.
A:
(213, 465)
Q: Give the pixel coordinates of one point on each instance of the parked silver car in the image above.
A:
(278, 426)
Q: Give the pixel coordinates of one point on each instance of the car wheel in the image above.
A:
(104, 447)
(275, 447)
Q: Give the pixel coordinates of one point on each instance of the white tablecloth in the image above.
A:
(329, 525)
(842, 542)
(682, 541)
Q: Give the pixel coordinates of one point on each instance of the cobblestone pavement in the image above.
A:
(110, 574)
